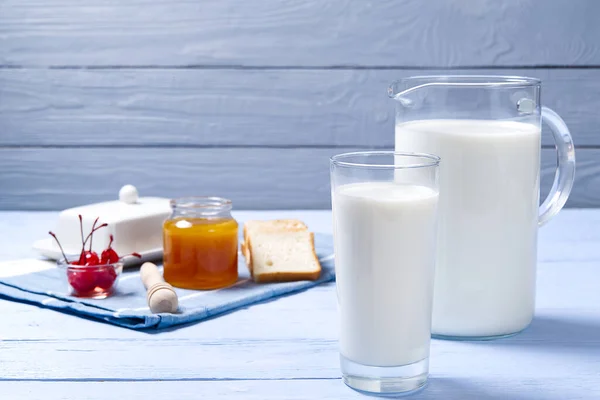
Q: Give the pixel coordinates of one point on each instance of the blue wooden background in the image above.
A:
(248, 99)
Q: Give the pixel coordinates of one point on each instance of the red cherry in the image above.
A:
(109, 256)
(82, 280)
(106, 277)
(90, 258)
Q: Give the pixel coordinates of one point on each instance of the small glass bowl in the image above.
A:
(92, 282)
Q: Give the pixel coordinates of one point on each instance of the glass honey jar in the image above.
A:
(200, 244)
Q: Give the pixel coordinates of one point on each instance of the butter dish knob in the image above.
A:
(128, 194)
(160, 295)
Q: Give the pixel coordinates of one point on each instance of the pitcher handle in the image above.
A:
(565, 172)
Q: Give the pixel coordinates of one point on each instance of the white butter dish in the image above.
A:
(135, 223)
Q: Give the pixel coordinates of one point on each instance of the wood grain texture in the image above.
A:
(299, 33)
(240, 107)
(217, 359)
(252, 178)
(259, 178)
(445, 387)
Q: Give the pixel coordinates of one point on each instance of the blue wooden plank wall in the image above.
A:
(248, 99)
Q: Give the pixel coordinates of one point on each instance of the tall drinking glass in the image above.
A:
(384, 225)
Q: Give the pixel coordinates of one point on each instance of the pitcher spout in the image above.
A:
(404, 90)
(398, 91)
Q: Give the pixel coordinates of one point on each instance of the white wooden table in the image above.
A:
(287, 349)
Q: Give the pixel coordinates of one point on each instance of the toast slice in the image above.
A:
(279, 251)
(251, 228)
(284, 256)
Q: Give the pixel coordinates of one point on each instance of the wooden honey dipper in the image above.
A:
(161, 296)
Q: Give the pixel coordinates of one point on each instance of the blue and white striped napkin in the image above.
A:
(128, 307)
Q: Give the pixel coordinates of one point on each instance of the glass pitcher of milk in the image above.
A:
(487, 131)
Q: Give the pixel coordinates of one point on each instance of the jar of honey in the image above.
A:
(200, 244)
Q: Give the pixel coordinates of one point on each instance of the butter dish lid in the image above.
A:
(128, 206)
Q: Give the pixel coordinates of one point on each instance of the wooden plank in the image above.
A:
(240, 107)
(308, 33)
(258, 178)
(562, 343)
(270, 358)
(253, 178)
(450, 387)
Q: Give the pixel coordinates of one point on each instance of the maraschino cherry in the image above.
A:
(109, 255)
(83, 280)
(87, 281)
(105, 277)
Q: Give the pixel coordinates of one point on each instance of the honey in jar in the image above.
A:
(200, 244)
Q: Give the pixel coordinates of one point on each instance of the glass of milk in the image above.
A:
(487, 131)
(384, 226)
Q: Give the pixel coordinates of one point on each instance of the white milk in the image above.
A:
(384, 257)
(489, 195)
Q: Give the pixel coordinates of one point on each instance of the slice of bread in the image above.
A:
(279, 251)
(251, 228)
(284, 256)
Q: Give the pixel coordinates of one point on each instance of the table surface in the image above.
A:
(287, 348)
